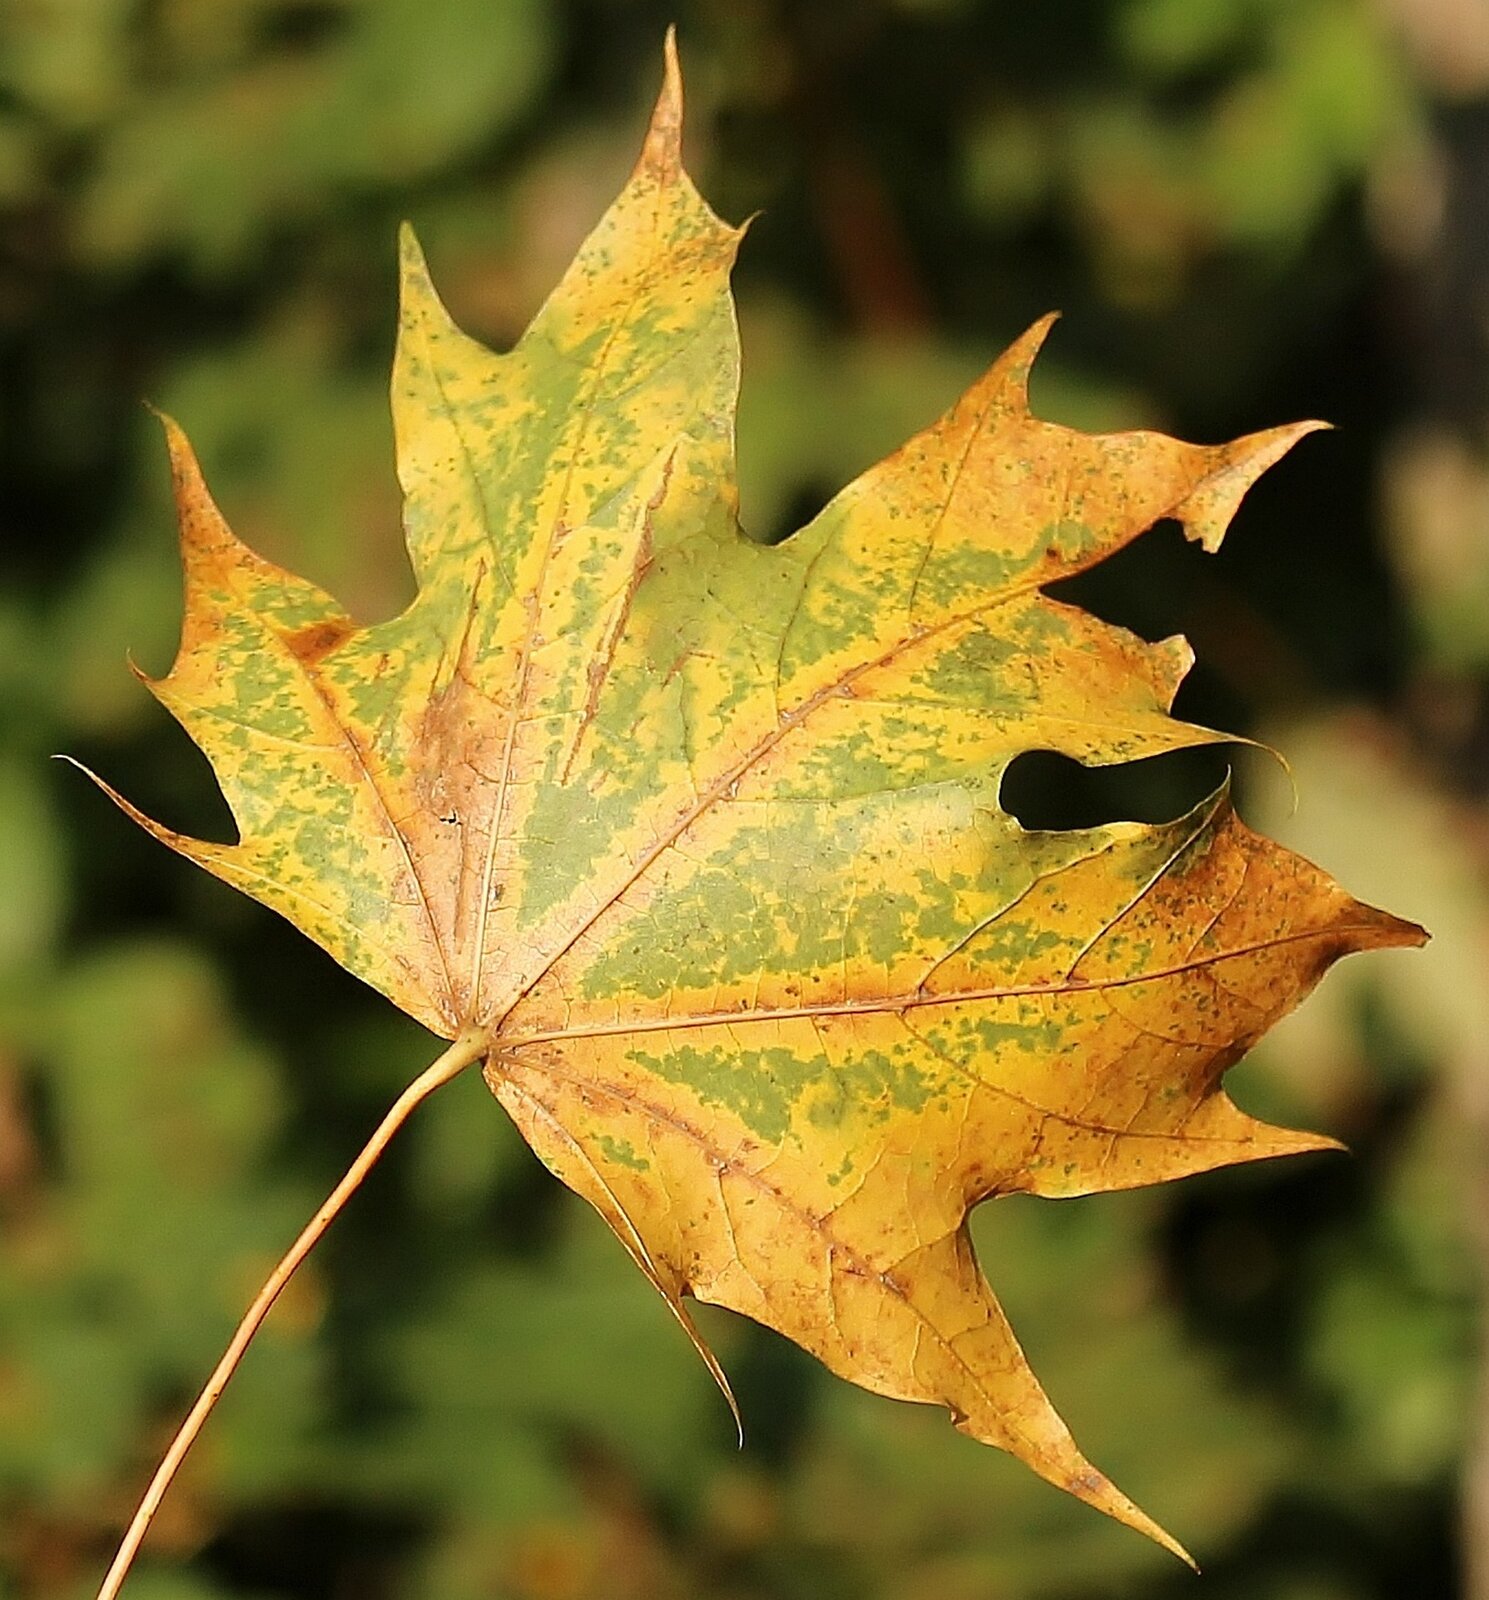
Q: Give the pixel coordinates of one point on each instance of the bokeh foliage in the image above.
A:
(470, 1393)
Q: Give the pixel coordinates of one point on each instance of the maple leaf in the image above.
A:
(697, 843)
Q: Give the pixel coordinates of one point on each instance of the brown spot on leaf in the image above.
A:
(315, 642)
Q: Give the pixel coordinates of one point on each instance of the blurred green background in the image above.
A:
(1250, 211)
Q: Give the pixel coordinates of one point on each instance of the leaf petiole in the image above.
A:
(468, 1048)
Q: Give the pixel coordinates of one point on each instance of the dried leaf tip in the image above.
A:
(1005, 384)
(1206, 513)
(661, 155)
(186, 472)
(1067, 1469)
(206, 541)
(1117, 1506)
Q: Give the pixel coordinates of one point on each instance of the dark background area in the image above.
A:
(1249, 211)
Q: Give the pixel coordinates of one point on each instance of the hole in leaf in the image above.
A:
(1045, 790)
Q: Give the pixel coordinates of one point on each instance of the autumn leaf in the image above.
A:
(697, 844)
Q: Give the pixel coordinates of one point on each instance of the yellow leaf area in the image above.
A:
(704, 837)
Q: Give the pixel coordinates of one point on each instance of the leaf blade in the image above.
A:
(705, 838)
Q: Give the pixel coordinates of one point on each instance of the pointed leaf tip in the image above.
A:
(1007, 381)
(179, 842)
(414, 282)
(184, 464)
(1207, 513)
(422, 314)
(1121, 1509)
(199, 522)
(1385, 931)
(661, 155)
(1091, 1485)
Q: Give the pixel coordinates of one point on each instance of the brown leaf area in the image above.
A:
(699, 843)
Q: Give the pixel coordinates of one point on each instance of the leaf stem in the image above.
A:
(468, 1048)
